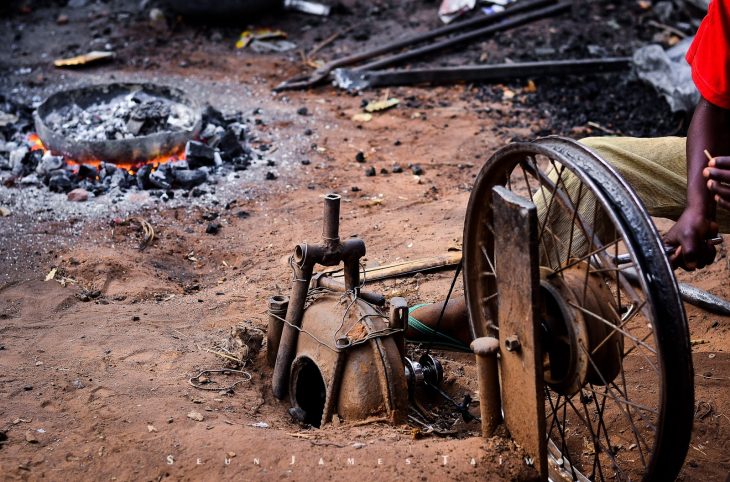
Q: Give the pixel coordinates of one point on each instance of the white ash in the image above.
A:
(122, 117)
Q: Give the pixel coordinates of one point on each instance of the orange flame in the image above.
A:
(37, 144)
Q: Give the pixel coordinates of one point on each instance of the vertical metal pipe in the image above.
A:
(278, 305)
(490, 402)
(331, 232)
(333, 390)
(290, 334)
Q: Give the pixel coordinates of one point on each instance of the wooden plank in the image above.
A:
(518, 283)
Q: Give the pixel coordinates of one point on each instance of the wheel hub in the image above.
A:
(579, 342)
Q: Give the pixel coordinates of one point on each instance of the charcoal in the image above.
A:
(370, 171)
(211, 115)
(213, 228)
(30, 180)
(209, 132)
(134, 126)
(187, 178)
(60, 182)
(49, 163)
(241, 163)
(87, 172)
(119, 179)
(197, 192)
(106, 169)
(229, 146)
(396, 169)
(27, 164)
(148, 117)
(198, 154)
(239, 129)
(181, 164)
(143, 177)
(271, 176)
(162, 177)
(16, 158)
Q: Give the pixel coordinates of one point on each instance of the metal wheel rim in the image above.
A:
(633, 225)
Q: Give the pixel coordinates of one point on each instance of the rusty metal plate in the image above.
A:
(517, 262)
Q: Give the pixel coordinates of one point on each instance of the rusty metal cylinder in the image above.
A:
(290, 333)
(490, 403)
(331, 230)
(398, 320)
(278, 305)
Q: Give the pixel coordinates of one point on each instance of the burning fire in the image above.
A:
(131, 167)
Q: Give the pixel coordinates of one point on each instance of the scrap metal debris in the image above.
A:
(249, 36)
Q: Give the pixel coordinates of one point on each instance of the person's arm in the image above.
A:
(708, 131)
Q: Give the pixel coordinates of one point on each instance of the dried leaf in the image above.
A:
(51, 274)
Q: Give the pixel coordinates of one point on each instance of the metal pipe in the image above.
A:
(507, 24)
(490, 402)
(320, 74)
(305, 256)
(336, 285)
(333, 390)
(354, 79)
(290, 334)
(331, 230)
(352, 251)
(278, 305)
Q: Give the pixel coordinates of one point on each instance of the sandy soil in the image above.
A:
(99, 389)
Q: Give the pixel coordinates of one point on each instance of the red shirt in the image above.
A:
(709, 55)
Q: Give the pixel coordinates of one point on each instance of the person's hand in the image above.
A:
(689, 236)
(717, 174)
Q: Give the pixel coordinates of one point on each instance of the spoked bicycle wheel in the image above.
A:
(616, 358)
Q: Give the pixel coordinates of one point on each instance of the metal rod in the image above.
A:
(669, 250)
(506, 24)
(407, 268)
(321, 73)
(336, 285)
(362, 79)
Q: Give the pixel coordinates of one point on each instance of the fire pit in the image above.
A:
(119, 123)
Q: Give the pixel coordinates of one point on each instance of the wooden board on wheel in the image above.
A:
(518, 284)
